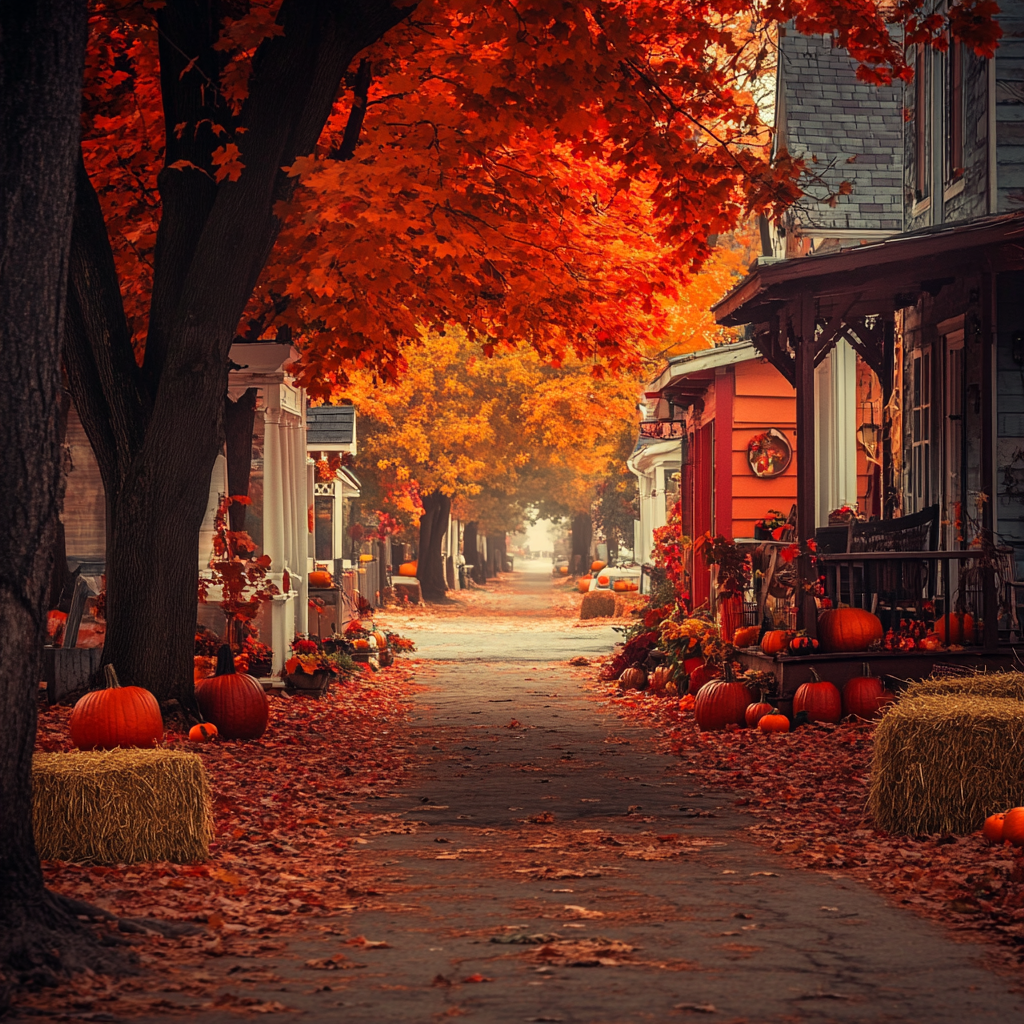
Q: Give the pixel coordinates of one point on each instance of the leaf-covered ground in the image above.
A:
(809, 789)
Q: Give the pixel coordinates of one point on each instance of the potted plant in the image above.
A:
(771, 526)
(258, 656)
(310, 670)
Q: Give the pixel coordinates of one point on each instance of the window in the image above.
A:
(921, 149)
(921, 430)
(954, 111)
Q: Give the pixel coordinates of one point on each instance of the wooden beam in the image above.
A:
(834, 329)
(869, 345)
(767, 343)
(806, 484)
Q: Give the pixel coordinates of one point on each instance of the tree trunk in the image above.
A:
(42, 50)
(157, 430)
(502, 552)
(471, 552)
(436, 509)
(582, 535)
(239, 419)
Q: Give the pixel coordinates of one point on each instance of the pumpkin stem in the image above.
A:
(225, 661)
(110, 677)
(815, 676)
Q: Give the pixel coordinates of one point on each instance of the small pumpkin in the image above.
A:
(411, 568)
(233, 701)
(320, 578)
(992, 830)
(961, 629)
(116, 716)
(633, 678)
(746, 636)
(361, 644)
(602, 581)
(820, 699)
(803, 644)
(775, 641)
(755, 712)
(1013, 826)
(775, 722)
(583, 584)
(597, 566)
(564, 570)
(720, 703)
(848, 629)
(203, 732)
(661, 677)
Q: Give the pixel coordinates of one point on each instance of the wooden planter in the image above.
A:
(301, 684)
(260, 669)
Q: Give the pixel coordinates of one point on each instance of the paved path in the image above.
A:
(651, 904)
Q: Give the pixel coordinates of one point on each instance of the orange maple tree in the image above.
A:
(538, 172)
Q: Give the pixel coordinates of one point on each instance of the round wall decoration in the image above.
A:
(769, 453)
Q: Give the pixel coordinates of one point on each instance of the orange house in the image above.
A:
(727, 418)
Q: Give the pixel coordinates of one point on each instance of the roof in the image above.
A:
(824, 112)
(330, 425)
(880, 273)
(701, 361)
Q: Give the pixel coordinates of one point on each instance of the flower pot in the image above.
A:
(261, 669)
(762, 533)
(301, 684)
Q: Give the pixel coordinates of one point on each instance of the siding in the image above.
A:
(1010, 108)
(85, 514)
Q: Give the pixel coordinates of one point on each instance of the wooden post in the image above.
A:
(724, 389)
(888, 480)
(806, 485)
(988, 353)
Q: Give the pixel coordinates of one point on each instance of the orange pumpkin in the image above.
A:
(1013, 826)
(961, 629)
(563, 569)
(583, 584)
(410, 568)
(597, 566)
(203, 732)
(382, 640)
(233, 701)
(320, 578)
(775, 722)
(633, 678)
(746, 636)
(775, 641)
(819, 699)
(864, 696)
(602, 581)
(755, 712)
(993, 828)
(117, 716)
(720, 703)
(848, 629)
(619, 586)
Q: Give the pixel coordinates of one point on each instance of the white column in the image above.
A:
(300, 530)
(273, 524)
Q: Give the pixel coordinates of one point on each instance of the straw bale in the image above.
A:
(598, 604)
(943, 762)
(121, 806)
(980, 684)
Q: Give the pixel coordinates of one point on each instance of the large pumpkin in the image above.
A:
(993, 828)
(117, 716)
(408, 568)
(1013, 826)
(233, 701)
(755, 712)
(320, 578)
(746, 636)
(721, 703)
(848, 629)
(820, 700)
(864, 696)
(775, 641)
(961, 629)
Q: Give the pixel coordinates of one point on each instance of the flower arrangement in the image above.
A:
(309, 656)
(772, 524)
(844, 514)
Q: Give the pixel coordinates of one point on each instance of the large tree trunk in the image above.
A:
(471, 552)
(436, 509)
(156, 429)
(42, 49)
(582, 535)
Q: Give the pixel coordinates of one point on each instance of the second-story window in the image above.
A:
(954, 111)
(921, 148)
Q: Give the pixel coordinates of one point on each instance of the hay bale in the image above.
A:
(598, 604)
(942, 763)
(121, 806)
(978, 684)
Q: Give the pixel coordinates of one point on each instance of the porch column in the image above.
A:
(806, 486)
(300, 526)
(988, 448)
(273, 523)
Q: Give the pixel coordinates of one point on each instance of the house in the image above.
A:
(936, 312)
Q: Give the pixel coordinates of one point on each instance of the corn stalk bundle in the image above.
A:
(121, 806)
(943, 762)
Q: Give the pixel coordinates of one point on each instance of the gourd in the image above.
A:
(203, 732)
(320, 578)
(632, 678)
(755, 712)
(775, 722)
(775, 641)
(661, 677)
(992, 830)
(746, 636)
(116, 716)
(1013, 826)
(961, 628)
(848, 629)
(864, 696)
(820, 699)
(233, 701)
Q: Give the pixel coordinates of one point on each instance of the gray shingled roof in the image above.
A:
(330, 424)
(822, 110)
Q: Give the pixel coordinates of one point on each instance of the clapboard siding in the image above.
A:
(85, 514)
